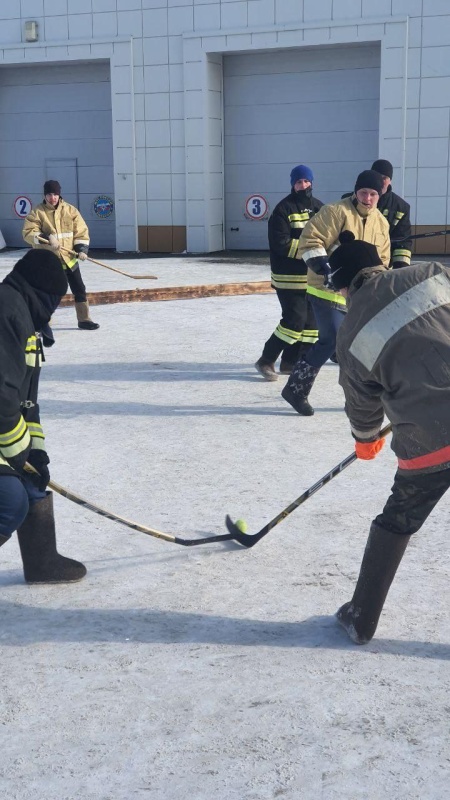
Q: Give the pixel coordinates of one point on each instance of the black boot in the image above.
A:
(37, 539)
(299, 386)
(382, 556)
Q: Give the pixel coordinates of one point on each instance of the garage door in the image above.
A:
(316, 106)
(55, 122)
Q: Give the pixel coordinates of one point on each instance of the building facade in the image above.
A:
(174, 124)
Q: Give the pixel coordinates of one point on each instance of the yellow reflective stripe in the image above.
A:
(287, 335)
(385, 212)
(293, 248)
(37, 444)
(31, 344)
(398, 251)
(283, 279)
(14, 435)
(15, 441)
(303, 217)
(332, 296)
(399, 214)
(35, 429)
(72, 263)
(298, 225)
(310, 337)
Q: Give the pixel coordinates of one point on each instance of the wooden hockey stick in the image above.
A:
(106, 266)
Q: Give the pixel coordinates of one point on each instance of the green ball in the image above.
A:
(242, 525)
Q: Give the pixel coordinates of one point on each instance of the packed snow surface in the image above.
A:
(177, 673)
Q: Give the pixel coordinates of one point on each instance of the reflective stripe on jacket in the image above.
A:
(393, 349)
(320, 237)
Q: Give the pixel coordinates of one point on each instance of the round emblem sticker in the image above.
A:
(103, 206)
(22, 206)
(256, 207)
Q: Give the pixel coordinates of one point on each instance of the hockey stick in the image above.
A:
(421, 236)
(250, 540)
(106, 266)
(167, 537)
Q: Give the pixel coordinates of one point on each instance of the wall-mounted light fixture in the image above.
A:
(31, 31)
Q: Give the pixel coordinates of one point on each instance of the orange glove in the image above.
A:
(368, 450)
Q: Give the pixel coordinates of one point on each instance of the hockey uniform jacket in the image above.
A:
(20, 358)
(321, 236)
(286, 223)
(396, 210)
(65, 222)
(393, 349)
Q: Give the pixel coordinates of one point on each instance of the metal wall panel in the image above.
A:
(55, 122)
(317, 106)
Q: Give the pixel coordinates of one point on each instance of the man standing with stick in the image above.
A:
(65, 229)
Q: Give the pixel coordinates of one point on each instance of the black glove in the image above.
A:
(48, 340)
(39, 460)
(320, 265)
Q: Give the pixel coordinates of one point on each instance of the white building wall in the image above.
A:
(166, 90)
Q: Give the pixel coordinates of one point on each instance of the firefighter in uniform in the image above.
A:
(65, 229)
(396, 210)
(296, 329)
(28, 297)
(360, 215)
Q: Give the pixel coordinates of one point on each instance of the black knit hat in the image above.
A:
(52, 187)
(369, 179)
(350, 258)
(383, 167)
(43, 270)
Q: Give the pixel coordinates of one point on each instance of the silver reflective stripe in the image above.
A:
(315, 253)
(424, 297)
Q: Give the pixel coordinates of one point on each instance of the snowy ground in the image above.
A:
(213, 672)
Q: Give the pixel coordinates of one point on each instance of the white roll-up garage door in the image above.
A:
(55, 122)
(316, 106)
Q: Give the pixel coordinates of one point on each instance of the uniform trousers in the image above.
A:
(16, 496)
(412, 500)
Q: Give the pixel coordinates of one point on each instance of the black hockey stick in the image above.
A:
(252, 539)
(167, 537)
(421, 236)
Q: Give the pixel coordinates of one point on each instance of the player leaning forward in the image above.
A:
(393, 350)
(28, 297)
(320, 236)
(65, 229)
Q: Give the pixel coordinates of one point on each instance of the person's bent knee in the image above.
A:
(14, 504)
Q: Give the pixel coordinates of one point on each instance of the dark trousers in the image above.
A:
(76, 284)
(329, 319)
(297, 318)
(16, 495)
(412, 500)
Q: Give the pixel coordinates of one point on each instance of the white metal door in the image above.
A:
(317, 106)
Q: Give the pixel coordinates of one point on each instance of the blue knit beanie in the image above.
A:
(301, 172)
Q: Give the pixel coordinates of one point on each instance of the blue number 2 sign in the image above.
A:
(22, 206)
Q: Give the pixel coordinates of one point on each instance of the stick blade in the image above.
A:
(240, 537)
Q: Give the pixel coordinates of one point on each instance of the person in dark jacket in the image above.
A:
(397, 212)
(393, 351)
(296, 330)
(28, 297)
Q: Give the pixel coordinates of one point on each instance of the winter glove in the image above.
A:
(82, 256)
(368, 450)
(320, 265)
(53, 242)
(48, 340)
(39, 460)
